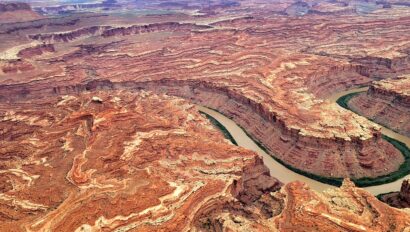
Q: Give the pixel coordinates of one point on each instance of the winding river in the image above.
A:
(286, 175)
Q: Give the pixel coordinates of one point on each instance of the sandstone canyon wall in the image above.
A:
(399, 199)
(117, 161)
(292, 121)
(386, 102)
(90, 142)
(133, 160)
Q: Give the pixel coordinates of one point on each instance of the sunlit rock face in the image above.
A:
(117, 161)
(343, 209)
(89, 141)
(301, 209)
(136, 161)
(276, 69)
(387, 102)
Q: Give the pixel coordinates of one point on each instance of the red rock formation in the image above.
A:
(68, 36)
(107, 31)
(298, 208)
(278, 67)
(398, 199)
(15, 66)
(80, 152)
(344, 209)
(117, 160)
(139, 29)
(357, 158)
(35, 51)
(14, 6)
(16, 12)
(387, 102)
(112, 160)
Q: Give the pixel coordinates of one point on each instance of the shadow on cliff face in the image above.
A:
(253, 193)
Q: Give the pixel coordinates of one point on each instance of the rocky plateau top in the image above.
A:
(399, 86)
(100, 132)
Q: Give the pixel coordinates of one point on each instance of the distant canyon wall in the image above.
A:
(108, 31)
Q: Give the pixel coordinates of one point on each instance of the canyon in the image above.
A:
(134, 160)
(99, 151)
(103, 98)
(387, 102)
(344, 209)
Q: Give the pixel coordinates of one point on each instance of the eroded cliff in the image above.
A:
(117, 161)
(280, 79)
(387, 102)
(298, 208)
(399, 199)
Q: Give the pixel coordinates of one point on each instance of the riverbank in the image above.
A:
(221, 127)
(277, 170)
(286, 174)
(399, 141)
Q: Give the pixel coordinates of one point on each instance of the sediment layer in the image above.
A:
(387, 102)
(84, 147)
(107, 31)
(281, 68)
(117, 161)
(298, 208)
(355, 158)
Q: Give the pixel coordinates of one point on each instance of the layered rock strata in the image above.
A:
(14, 6)
(298, 208)
(37, 50)
(117, 161)
(16, 12)
(332, 156)
(325, 157)
(399, 199)
(107, 31)
(121, 160)
(74, 160)
(280, 67)
(387, 102)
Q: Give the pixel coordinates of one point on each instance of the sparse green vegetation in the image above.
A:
(323, 179)
(403, 170)
(379, 197)
(326, 180)
(362, 182)
(344, 100)
(221, 127)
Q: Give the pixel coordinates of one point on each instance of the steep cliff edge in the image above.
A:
(108, 31)
(387, 102)
(14, 6)
(38, 50)
(356, 157)
(117, 160)
(122, 160)
(298, 208)
(399, 199)
(272, 71)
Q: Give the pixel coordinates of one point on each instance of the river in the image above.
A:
(286, 175)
